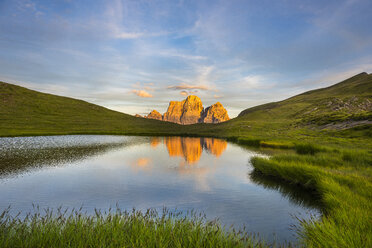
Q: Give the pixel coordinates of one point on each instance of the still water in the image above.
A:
(204, 174)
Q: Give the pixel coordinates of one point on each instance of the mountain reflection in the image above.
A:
(191, 148)
(155, 141)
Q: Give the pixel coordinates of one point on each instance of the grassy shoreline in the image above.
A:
(342, 179)
(73, 228)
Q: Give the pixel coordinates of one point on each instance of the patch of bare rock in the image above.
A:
(154, 115)
(191, 111)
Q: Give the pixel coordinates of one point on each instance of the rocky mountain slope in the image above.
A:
(191, 111)
(214, 114)
(154, 115)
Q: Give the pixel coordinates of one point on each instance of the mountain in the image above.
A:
(215, 113)
(154, 115)
(342, 105)
(174, 112)
(191, 111)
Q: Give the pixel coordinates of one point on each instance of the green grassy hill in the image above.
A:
(28, 112)
(349, 100)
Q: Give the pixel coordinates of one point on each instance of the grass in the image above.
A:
(118, 229)
(342, 179)
(307, 149)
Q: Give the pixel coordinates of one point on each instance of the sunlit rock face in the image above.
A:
(174, 112)
(215, 113)
(154, 115)
(191, 111)
(191, 148)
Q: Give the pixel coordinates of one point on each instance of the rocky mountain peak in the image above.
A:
(191, 111)
(174, 112)
(214, 114)
(154, 115)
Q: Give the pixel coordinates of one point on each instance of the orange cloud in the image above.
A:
(141, 93)
(184, 93)
(184, 86)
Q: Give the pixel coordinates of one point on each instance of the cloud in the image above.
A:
(184, 86)
(143, 89)
(184, 93)
(217, 96)
(126, 35)
(176, 53)
(142, 93)
(135, 35)
(252, 81)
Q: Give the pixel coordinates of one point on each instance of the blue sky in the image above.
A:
(135, 56)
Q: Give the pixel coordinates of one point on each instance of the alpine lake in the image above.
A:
(206, 175)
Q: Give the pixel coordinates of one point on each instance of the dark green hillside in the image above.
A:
(28, 112)
(350, 100)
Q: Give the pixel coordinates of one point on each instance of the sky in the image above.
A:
(135, 56)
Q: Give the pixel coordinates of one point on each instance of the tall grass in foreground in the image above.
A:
(118, 229)
(342, 179)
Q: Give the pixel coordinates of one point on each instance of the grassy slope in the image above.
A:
(28, 112)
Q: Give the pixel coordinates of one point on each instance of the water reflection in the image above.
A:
(191, 148)
(155, 141)
(144, 164)
(294, 193)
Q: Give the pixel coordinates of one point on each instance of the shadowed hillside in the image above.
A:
(28, 112)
